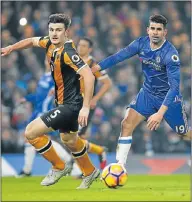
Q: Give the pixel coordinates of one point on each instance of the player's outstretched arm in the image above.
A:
(89, 80)
(125, 53)
(23, 44)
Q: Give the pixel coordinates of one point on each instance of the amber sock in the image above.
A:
(93, 148)
(44, 146)
(96, 149)
(82, 158)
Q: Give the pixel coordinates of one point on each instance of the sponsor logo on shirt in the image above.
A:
(155, 66)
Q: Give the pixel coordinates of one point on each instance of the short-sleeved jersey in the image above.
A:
(65, 63)
(161, 67)
(40, 99)
(98, 75)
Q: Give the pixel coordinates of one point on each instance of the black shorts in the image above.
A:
(63, 118)
(83, 130)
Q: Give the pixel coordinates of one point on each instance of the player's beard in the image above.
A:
(157, 41)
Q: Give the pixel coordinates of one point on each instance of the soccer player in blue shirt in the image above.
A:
(159, 96)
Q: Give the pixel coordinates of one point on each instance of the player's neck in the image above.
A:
(156, 46)
(59, 45)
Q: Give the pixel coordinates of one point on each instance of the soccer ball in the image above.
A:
(114, 175)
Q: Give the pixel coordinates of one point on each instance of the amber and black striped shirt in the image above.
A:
(65, 63)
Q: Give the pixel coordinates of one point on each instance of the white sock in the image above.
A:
(29, 155)
(76, 171)
(123, 147)
(62, 152)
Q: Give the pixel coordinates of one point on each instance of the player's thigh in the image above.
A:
(143, 104)
(132, 119)
(176, 118)
(82, 130)
(36, 128)
(62, 118)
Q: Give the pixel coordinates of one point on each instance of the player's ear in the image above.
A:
(147, 30)
(90, 50)
(165, 32)
(66, 33)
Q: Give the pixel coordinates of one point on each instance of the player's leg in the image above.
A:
(139, 109)
(35, 134)
(62, 151)
(79, 152)
(101, 151)
(176, 117)
(69, 137)
(65, 117)
(91, 147)
(177, 120)
(131, 120)
(147, 137)
(65, 154)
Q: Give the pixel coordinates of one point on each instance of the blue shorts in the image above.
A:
(147, 104)
(36, 114)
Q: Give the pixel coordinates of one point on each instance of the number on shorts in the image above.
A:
(180, 129)
(55, 113)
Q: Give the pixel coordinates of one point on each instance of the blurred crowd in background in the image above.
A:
(112, 26)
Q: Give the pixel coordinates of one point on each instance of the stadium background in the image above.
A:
(112, 26)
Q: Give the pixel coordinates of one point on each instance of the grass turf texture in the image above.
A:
(138, 188)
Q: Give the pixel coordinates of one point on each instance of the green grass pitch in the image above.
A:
(138, 188)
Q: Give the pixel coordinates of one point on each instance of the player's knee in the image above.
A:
(28, 132)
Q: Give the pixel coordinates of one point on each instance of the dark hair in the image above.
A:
(158, 19)
(60, 18)
(88, 40)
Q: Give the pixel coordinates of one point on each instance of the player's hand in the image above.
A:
(95, 68)
(6, 51)
(154, 121)
(83, 116)
(93, 103)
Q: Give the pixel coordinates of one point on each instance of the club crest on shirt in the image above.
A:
(158, 59)
(57, 56)
(52, 65)
(175, 58)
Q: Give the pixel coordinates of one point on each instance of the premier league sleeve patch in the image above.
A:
(175, 58)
